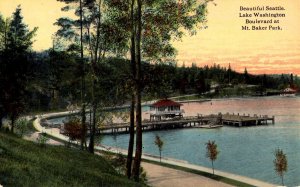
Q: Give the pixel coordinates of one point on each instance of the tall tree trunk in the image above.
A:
(93, 129)
(139, 139)
(132, 107)
(131, 138)
(139, 142)
(83, 117)
(94, 88)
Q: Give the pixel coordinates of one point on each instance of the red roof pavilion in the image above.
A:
(165, 109)
(165, 103)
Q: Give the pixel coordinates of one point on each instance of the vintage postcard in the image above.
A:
(159, 92)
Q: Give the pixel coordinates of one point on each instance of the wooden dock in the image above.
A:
(246, 120)
(184, 122)
(199, 121)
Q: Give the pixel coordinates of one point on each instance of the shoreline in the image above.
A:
(186, 164)
(147, 103)
(170, 161)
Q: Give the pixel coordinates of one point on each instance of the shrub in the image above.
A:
(73, 129)
(21, 126)
(42, 139)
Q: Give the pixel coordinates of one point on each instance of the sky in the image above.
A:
(222, 42)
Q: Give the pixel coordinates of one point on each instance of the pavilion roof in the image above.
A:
(165, 103)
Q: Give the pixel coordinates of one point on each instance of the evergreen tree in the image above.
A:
(246, 76)
(229, 73)
(15, 61)
(68, 32)
(19, 36)
(2, 32)
(291, 81)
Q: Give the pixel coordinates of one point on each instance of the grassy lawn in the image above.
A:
(24, 163)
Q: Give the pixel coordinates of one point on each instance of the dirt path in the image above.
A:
(34, 136)
(159, 176)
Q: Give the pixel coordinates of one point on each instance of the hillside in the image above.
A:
(24, 163)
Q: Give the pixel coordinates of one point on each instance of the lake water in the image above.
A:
(247, 151)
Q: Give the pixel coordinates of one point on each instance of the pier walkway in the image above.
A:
(208, 121)
(199, 121)
(162, 124)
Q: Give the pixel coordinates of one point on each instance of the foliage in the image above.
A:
(212, 152)
(15, 61)
(22, 126)
(280, 163)
(143, 175)
(118, 162)
(19, 37)
(62, 79)
(62, 66)
(159, 144)
(42, 139)
(73, 129)
(4, 28)
(25, 163)
(56, 81)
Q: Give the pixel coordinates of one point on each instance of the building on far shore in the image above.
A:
(289, 92)
(165, 109)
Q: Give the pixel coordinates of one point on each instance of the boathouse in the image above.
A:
(289, 92)
(165, 109)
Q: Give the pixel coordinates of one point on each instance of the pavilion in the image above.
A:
(165, 109)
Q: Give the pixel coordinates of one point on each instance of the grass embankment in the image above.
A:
(202, 173)
(24, 163)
